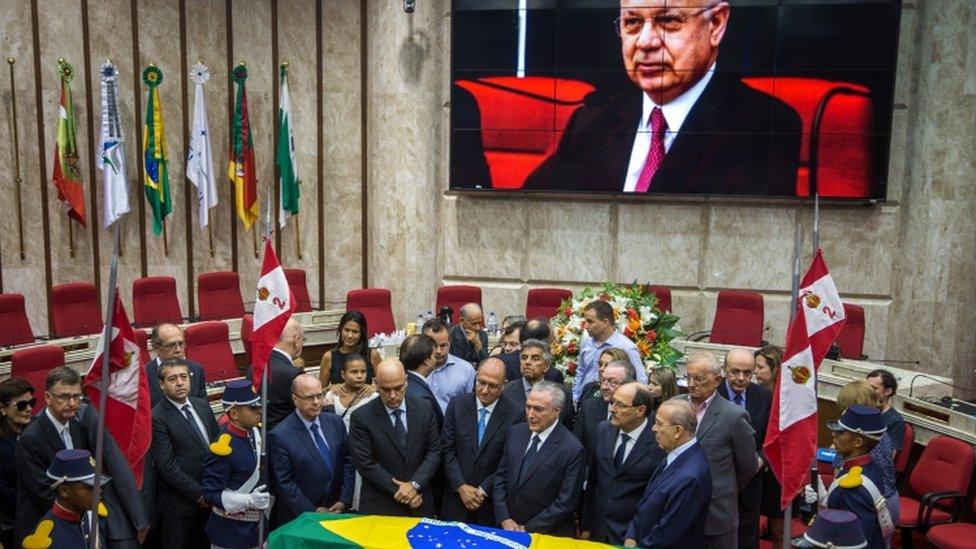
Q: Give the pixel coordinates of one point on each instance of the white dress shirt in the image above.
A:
(633, 434)
(673, 454)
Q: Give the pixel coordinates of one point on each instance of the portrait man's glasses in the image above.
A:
(671, 21)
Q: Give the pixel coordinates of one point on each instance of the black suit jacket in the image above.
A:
(515, 391)
(612, 494)
(198, 381)
(513, 369)
(547, 495)
(178, 453)
(463, 349)
(592, 411)
(759, 400)
(282, 373)
(417, 387)
(735, 140)
(465, 462)
(35, 453)
(378, 458)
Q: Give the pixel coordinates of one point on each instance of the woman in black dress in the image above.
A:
(352, 341)
(16, 404)
(768, 360)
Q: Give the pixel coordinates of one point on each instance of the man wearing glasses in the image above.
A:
(592, 411)
(309, 455)
(686, 127)
(168, 342)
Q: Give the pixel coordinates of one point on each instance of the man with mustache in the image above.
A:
(688, 128)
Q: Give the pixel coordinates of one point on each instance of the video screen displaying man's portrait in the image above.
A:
(777, 98)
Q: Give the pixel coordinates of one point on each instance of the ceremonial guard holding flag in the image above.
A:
(233, 474)
(68, 524)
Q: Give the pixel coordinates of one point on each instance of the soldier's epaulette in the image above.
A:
(102, 510)
(41, 538)
(852, 479)
(221, 446)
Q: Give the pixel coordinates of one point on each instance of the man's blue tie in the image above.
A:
(738, 400)
(401, 429)
(529, 457)
(482, 424)
(322, 446)
(618, 458)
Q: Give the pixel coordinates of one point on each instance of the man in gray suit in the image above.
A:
(726, 437)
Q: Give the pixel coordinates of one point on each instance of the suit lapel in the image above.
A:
(204, 411)
(303, 434)
(180, 419)
(709, 418)
(50, 433)
(386, 425)
(546, 451)
(642, 447)
(416, 430)
(494, 422)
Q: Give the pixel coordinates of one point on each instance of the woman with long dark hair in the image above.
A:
(352, 341)
(16, 404)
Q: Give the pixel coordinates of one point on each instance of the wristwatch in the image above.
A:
(415, 484)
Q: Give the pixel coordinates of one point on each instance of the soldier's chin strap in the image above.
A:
(853, 479)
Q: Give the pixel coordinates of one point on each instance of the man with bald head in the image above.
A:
(309, 456)
(728, 440)
(468, 338)
(396, 447)
(475, 427)
(684, 127)
(168, 342)
(739, 389)
(282, 371)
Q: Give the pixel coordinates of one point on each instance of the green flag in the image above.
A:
(156, 171)
(285, 159)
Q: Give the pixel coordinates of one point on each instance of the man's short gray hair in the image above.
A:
(682, 413)
(554, 389)
(630, 373)
(706, 358)
(542, 345)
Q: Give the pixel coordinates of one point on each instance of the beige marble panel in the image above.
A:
(857, 246)
(659, 243)
(689, 305)
(748, 247)
(569, 241)
(483, 238)
(500, 297)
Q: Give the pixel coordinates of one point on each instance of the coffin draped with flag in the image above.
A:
(273, 306)
(127, 413)
(791, 437)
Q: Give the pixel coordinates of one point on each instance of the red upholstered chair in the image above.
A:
(15, 329)
(941, 475)
(522, 120)
(456, 296)
(33, 365)
(209, 344)
(219, 295)
(545, 302)
(154, 301)
(901, 458)
(299, 289)
(142, 339)
(837, 147)
(851, 336)
(663, 294)
(74, 308)
(738, 319)
(247, 329)
(374, 303)
(957, 535)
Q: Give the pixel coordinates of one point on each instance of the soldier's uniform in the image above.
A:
(232, 474)
(62, 528)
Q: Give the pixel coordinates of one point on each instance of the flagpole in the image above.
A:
(17, 179)
(165, 243)
(794, 292)
(71, 237)
(264, 376)
(298, 237)
(816, 221)
(210, 237)
(102, 390)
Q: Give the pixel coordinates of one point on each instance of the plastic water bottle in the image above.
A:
(420, 321)
(430, 315)
(492, 323)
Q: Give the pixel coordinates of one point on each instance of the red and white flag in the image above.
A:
(273, 306)
(791, 437)
(128, 412)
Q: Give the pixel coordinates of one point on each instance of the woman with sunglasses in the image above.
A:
(16, 404)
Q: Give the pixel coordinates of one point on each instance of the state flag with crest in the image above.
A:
(273, 306)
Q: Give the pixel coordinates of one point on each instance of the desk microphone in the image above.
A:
(911, 384)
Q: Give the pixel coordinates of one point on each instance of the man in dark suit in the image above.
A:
(672, 512)
(308, 451)
(540, 477)
(395, 446)
(596, 409)
(536, 328)
(168, 342)
(728, 440)
(469, 341)
(183, 427)
(625, 456)
(475, 428)
(536, 360)
(67, 424)
(686, 127)
(282, 370)
(417, 356)
(739, 389)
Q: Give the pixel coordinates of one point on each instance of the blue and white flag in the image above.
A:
(115, 188)
(199, 158)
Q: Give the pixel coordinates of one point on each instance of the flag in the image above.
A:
(288, 172)
(273, 306)
(241, 169)
(127, 413)
(115, 188)
(156, 171)
(199, 159)
(67, 177)
(791, 436)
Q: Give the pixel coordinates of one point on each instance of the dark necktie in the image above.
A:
(322, 446)
(401, 429)
(482, 424)
(529, 457)
(738, 400)
(618, 458)
(193, 424)
(655, 154)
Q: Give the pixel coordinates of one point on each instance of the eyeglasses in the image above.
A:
(64, 398)
(739, 373)
(316, 396)
(620, 405)
(610, 382)
(487, 385)
(23, 405)
(172, 345)
(663, 23)
(696, 379)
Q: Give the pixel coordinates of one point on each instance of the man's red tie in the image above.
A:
(655, 155)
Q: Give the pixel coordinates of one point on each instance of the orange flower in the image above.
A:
(556, 349)
(634, 324)
(644, 347)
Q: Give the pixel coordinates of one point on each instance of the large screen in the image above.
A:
(777, 98)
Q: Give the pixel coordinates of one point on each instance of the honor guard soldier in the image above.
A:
(832, 528)
(67, 524)
(233, 478)
(856, 487)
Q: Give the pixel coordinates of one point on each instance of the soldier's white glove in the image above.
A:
(234, 502)
(819, 496)
(259, 498)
